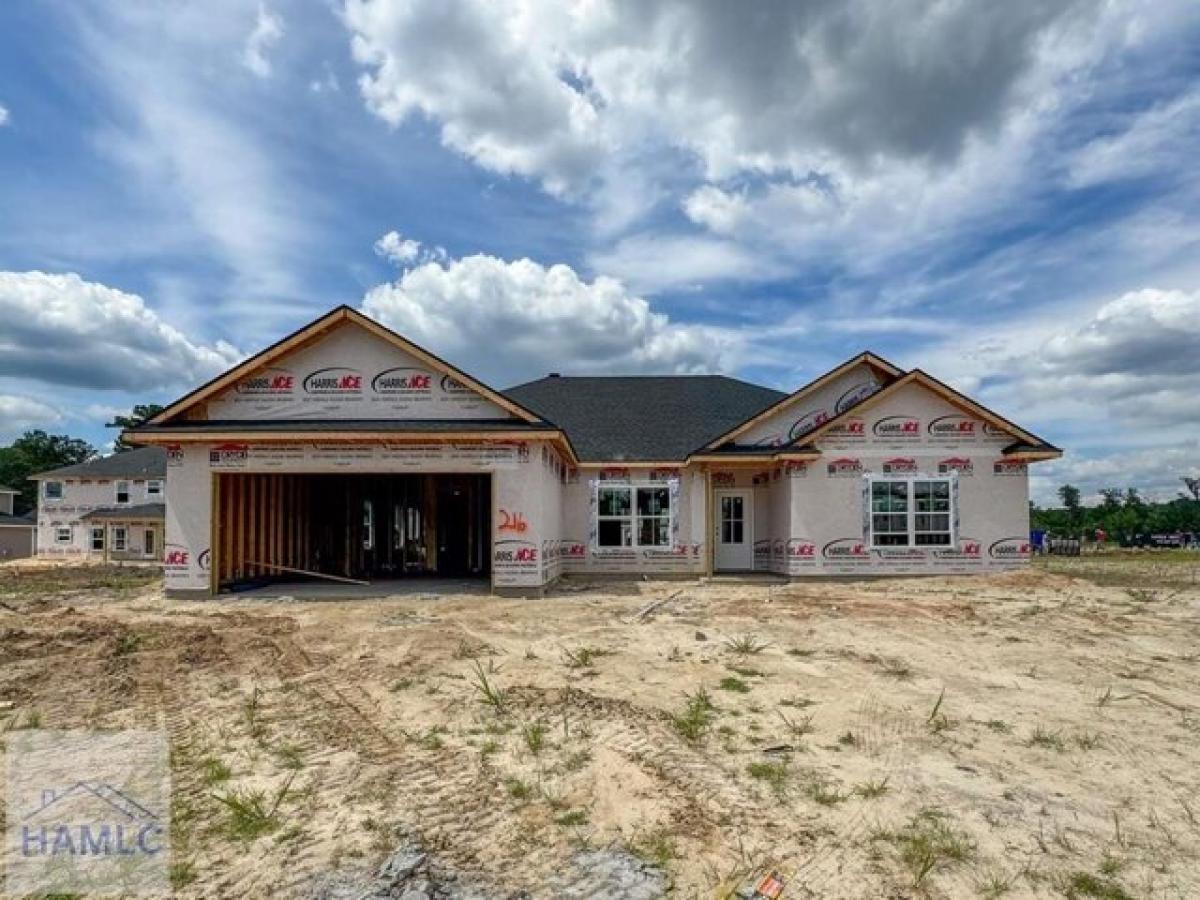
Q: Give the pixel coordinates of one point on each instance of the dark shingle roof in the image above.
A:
(127, 513)
(23, 521)
(646, 418)
(8, 490)
(144, 462)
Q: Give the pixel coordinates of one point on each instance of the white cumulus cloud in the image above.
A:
(397, 249)
(509, 321)
(19, 414)
(268, 29)
(3, 115)
(60, 329)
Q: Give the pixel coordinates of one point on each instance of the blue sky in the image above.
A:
(1002, 194)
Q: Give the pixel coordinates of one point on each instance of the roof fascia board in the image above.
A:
(876, 362)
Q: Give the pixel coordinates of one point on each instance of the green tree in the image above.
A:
(137, 416)
(34, 452)
(1070, 497)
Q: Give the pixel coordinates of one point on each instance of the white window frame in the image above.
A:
(912, 512)
(154, 487)
(101, 534)
(117, 492)
(120, 539)
(633, 518)
(59, 531)
(46, 490)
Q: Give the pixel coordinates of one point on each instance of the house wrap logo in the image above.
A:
(846, 549)
(852, 429)
(516, 553)
(960, 464)
(968, 549)
(270, 382)
(334, 381)
(455, 388)
(800, 548)
(176, 556)
(955, 427)
(899, 465)
(1009, 467)
(229, 454)
(204, 559)
(808, 422)
(855, 395)
(1009, 548)
(403, 380)
(846, 467)
(905, 427)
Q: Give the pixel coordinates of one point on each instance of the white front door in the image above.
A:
(734, 531)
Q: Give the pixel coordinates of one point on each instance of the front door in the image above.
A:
(735, 531)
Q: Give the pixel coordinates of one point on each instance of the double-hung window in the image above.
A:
(52, 490)
(633, 516)
(62, 535)
(122, 493)
(154, 487)
(97, 538)
(120, 538)
(911, 512)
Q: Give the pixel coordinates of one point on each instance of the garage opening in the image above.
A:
(363, 527)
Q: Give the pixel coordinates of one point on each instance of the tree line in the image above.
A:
(1123, 514)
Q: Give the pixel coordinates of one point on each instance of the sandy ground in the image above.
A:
(1028, 735)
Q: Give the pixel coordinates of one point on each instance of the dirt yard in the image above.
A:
(1027, 735)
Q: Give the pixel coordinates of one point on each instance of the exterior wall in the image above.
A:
(16, 541)
(578, 551)
(524, 488)
(6, 503)
(81, 496)
(917, 432)
(799, 418)
(351, 374)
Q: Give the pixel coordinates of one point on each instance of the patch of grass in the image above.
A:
(577, 760)
(432, 739)
(401, 684)
(535, 737)
(745, 645)
(824, 792)
(734, 684)
(869, 790)
(994, 886)
(490, 693)
(573, 819)
(127, 643)
(182, 873)
(290, 756)
(802, 653)
(849, 739)
(252, 710)
(467, 650)
(1086, 740)
(1047, 740)
(489, 747)
(33, 719)
(518, 789)
(698, 713)
(583, 657)
(797, 728)
(1085, 884)
(929, 841)
(938, 721)
(798, 702)
(214, 771)
(999, 726)
(656, 848)
(251, 812)
(774, 773)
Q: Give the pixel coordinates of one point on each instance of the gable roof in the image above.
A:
(311, 333)
(1029, 442)
(643, 418)
(144, 462)
(786, 401)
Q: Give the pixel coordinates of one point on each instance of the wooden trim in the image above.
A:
(710, 538)
(214, 512)
(876, 362)
(317, 329)
(1034, 455)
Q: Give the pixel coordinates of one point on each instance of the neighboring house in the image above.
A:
(111, 508)
(18, 534)
(346, 450)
